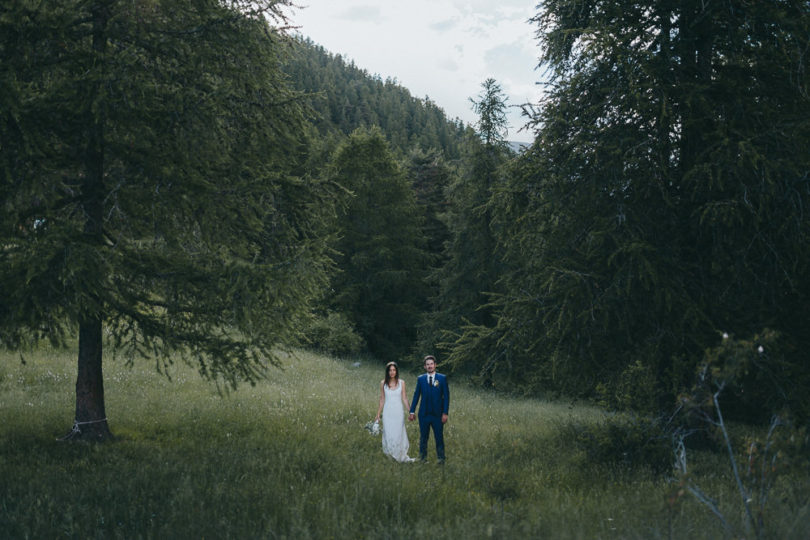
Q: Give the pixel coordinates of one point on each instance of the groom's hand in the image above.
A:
(444, 418)
(410, 417)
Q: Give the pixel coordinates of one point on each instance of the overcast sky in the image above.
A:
(443, 49)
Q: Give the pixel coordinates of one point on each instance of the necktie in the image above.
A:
(430, 380)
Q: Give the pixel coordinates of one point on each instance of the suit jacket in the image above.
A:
(435, 399)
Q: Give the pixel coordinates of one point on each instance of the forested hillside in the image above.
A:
(346, 97)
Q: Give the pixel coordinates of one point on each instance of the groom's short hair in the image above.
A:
(429, 357)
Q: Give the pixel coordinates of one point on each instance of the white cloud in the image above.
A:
(447, 63)
(444, 26)
(361, 13)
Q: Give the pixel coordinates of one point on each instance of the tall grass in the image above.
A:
(288, 458)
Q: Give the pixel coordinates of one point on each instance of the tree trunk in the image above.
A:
(91, 418)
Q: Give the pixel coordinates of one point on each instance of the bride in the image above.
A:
(392, 397)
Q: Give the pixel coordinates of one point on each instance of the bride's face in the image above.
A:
(392, 371)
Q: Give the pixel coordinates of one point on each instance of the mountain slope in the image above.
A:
(346, 97)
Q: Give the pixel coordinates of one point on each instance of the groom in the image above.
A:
(432, 388)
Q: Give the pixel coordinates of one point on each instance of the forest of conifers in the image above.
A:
(185, 178)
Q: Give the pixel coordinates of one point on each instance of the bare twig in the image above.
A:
(680, 464)
(743, 493)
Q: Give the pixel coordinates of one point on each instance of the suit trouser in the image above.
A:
(425, 423)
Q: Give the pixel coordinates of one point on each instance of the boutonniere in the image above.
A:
(436, 383)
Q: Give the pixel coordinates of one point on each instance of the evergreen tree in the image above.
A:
(430, 176)
(662, 202)
(149, 190)
(380, 283)
(491, 110)
(346, 97)
(469, 275)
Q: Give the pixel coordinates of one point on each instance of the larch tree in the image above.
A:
(150, 188)
(664, 200)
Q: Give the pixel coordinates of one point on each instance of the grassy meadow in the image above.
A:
(289, 458)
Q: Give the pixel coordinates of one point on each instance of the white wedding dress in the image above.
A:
(394, 437)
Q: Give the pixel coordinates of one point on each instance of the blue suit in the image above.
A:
(435, 401)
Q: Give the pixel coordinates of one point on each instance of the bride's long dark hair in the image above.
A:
(388, 377)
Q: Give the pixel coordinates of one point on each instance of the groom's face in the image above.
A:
(430, 366)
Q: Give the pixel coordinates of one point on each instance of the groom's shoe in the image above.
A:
(422, 459)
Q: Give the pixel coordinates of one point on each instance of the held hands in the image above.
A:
(444, 418)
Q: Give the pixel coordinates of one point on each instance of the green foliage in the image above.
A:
(635, 389)
(150, 179)
(430, 175)
(757, 380)
(662, 202)
(625, 441)
(381, 258)
(289, 457)
(468, 277)
(333, 334)
(490, 106)
(345, 97)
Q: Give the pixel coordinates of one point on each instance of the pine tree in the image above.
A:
(149, 189)
(382, 263)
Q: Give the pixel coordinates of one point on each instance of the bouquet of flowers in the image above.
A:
(373, 427)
